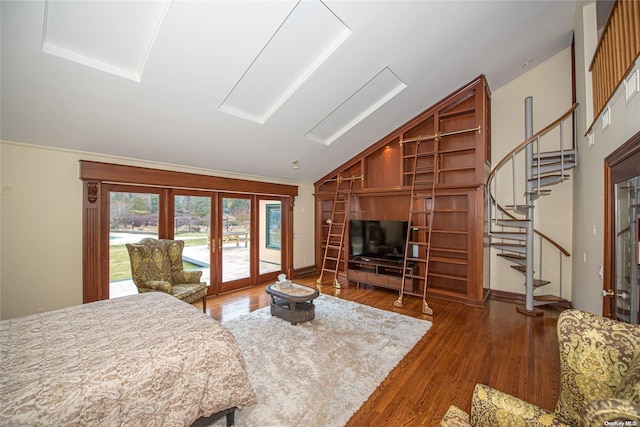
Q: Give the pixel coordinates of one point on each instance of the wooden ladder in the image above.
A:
(337, 227)
(421, 211)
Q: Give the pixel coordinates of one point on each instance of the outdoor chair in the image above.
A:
(156, 266)
(599, 381)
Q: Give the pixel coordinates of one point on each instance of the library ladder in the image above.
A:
(334, 247)
(421, 210)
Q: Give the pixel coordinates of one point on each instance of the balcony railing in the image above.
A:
(617, 50)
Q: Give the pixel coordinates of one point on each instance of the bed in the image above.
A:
(147, 359)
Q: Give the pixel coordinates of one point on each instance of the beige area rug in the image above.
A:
(319, 373)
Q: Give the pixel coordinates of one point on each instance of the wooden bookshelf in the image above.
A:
(460, 123)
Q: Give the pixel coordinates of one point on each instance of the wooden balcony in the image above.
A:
(617, 50)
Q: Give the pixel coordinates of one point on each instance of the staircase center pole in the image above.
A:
(528, 108)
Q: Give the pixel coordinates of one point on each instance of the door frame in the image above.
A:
(95, 215)
(252, 278)
(618, 167)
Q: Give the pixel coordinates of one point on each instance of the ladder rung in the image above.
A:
(417, 259)
(331, 258)
(418, 243)
(334, 246)
(419, 227)
(421, 212)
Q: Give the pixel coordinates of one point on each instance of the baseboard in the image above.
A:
(517, 298)
(307, 271)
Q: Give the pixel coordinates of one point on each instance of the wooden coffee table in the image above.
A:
(293, 304)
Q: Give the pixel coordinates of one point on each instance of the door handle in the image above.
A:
(608, 293)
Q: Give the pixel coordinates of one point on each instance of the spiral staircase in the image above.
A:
(541, 161)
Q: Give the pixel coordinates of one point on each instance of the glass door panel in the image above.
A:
(132, 217)
(235, 241)
(627, 250)
(192, 224)
(270, 251)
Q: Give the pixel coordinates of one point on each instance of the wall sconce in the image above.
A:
(295, 164)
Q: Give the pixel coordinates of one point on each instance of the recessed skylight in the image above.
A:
(112, 36)
(371, 96)
(305, 40)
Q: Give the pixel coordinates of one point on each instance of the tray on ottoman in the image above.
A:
(293, 304)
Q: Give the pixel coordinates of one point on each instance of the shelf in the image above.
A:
(395, 173)
(456, 150)
(448, 276)
(450, 231)
(449, 114)
(457, 169)
(449, 260)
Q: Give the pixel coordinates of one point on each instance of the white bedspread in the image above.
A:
(142, 360)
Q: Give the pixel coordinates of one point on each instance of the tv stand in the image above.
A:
(378, 272)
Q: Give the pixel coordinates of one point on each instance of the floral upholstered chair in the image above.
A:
(156, 266)
(599, 381)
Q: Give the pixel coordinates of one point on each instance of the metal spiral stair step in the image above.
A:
(553, 156)
(511, 235)
(518, 259)
(548, 299)
(545, 168)
(521, 223)
(512, 247)
(547, 180)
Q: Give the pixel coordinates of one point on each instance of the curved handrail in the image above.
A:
(539, 233)
(509, 156)
(530, 140)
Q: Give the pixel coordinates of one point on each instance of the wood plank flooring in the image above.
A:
(496, 346)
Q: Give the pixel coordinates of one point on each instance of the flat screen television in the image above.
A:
(384, 240)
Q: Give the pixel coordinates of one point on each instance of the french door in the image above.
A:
(621, 281)
(155, 203)
(223, 238)
(234, 239)
(234, 235)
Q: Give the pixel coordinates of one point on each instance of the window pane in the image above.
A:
(236, 227)
(192, 217)
(132, 217)
(271, 230)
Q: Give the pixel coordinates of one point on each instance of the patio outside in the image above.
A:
(235, 259)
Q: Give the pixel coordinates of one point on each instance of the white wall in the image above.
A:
(41, 225)
(588, 203)
(549, 84)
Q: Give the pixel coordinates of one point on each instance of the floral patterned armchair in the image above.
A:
(599, 375)
(156, 266)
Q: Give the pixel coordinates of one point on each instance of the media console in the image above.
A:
(378, 272)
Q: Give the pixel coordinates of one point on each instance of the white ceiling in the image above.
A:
(252, 86)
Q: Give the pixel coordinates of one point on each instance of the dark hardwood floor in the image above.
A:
(496, 346)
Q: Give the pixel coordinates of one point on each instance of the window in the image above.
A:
(273, 226)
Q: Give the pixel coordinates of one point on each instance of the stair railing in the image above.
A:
(498, 211)
(534, 141)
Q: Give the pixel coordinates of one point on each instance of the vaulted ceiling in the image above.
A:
(253, 86)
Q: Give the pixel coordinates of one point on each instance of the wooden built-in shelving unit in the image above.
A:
(458, 262)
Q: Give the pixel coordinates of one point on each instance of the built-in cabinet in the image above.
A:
(448, 143)
(386, 274)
